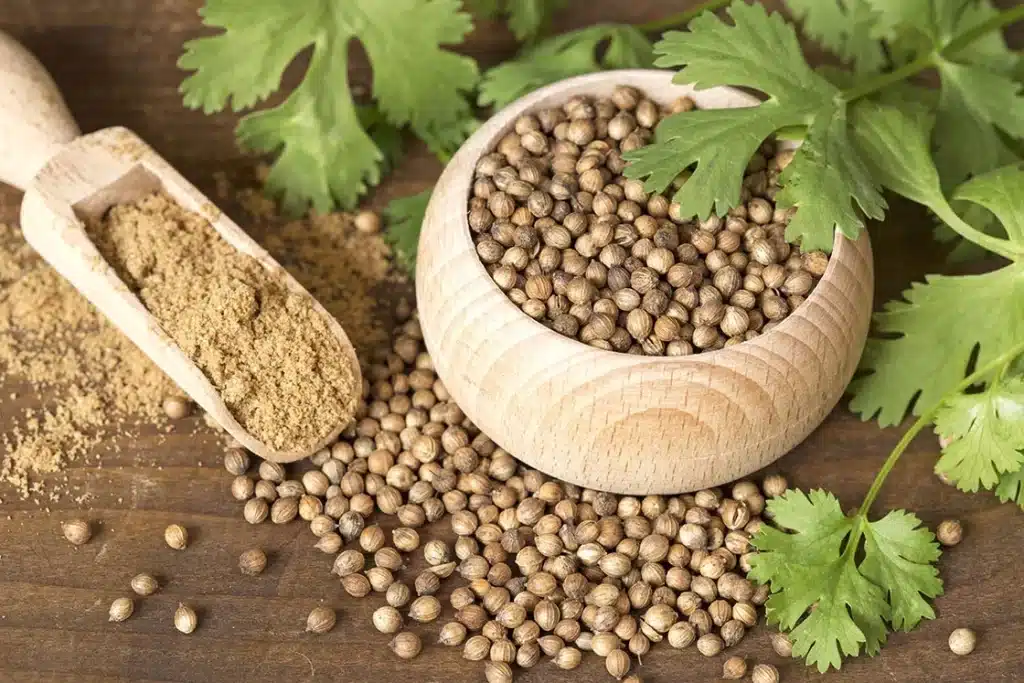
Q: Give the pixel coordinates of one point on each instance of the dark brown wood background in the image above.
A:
(115, 60)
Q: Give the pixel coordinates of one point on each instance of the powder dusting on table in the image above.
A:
(93, 383)
(272, 356)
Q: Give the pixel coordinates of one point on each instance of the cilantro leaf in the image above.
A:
(830, 605)
(569, 54)
(526, 18)
(404, 219)
(999, 191)
(817, 592)
(900, 555)
(939, 325)
(825, 178)
(822, 179)
(845, 27)
(326, 156)
(987, 433)
(1011, 487)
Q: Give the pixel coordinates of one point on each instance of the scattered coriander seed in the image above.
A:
(284, 510)
(367, 222)
(252, 562)
(734, 668)
(242, 488)
(406, 645)
(764, 673)
(498, 672)
(774, 485)
(176, 536)
(122, 608)
(962, 641)
(782, 645)
(144, 584)
(568, 658)
(632, 678)
(356, 585)
(256, 511)
(185, 619)
(397, 594)
(950, 532)
(387, 619)
(321, 620)
(236, 461)
(77, 531)
(617, 664)
(452, 634)
(476, 648)
(406, 540)
(177, 407)
(425, 608)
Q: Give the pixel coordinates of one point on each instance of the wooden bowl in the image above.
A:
(619, 422)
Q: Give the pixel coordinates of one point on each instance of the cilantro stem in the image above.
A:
(929, 59)
(996, 245)
(926, 418)
(682, 18)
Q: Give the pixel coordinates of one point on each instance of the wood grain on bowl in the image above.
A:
(629, 424)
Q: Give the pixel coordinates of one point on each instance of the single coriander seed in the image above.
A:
(144, 584)
(734, 668)
(962, 641)
(950, 532)
(774, 485)
(321, 620)
(387, 619)
(185, 619)
(176, 536)
(252, 562)
(236, 461)
(122, 608)
(77, 531)
(782, 645)
(177, 407)
(764, 673)
(406, 645)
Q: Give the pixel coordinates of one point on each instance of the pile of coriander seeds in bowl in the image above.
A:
(541, 572)
(592, 255)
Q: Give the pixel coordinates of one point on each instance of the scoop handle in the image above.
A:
(34, 120)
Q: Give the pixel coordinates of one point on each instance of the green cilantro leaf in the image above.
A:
(817, 592)
(900, 556)
(403, 217)
(526, 18)
(845, 27)
(830, 605)
(1011, 487)
(1001, 192)
(825, 179)
(326, 156)
(821, 180)
(987, 433)
(932, 335)
(569, 54)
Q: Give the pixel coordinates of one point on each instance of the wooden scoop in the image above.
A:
(68, 177)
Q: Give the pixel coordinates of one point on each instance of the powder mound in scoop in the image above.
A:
(281, 372)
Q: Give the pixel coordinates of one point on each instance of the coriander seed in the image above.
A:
(476, 648)
(774, 485)
(962, 641)
(782, 645)
(77, 531)
(177, 407)
(242, 488)
(397, 594)
(617, 664)
(498, 672)
(406, 645)
(256, 511)
(734, 668)
(252, 562)
(321, 620)
(950, 532)
(144, 584)
(185, 619)
(176, 536)
(236, 461)
(122, 608)
(425, 608)
(452, 634)
(764, 673)
(567, 658)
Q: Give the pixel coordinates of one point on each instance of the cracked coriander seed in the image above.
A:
(77, 531)
(121, 609)
(144, 584)
(176, 536)
(321, 620)
(962, 641)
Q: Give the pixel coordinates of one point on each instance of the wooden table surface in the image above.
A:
(115, 61)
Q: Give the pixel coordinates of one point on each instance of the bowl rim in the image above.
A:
(484, 140)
